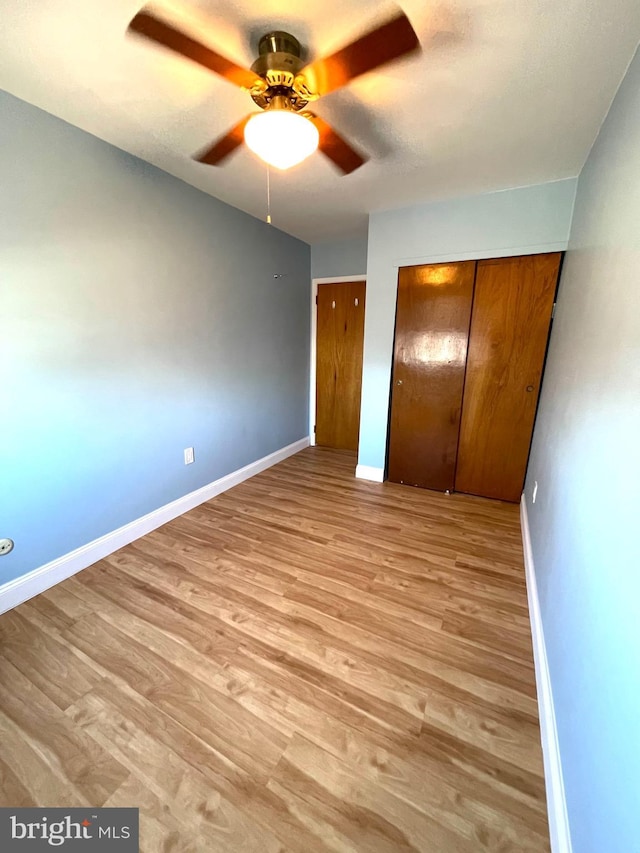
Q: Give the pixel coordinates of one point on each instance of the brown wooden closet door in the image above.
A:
(509, 330)
(339, 343)
(432, 328)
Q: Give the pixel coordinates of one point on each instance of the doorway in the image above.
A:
(339, 340)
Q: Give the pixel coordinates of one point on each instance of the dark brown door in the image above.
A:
(339, 342)
(509, 331)
(432, 329)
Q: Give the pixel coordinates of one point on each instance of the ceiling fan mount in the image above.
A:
(280, 83)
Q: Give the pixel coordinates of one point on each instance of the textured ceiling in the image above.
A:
(506, 93)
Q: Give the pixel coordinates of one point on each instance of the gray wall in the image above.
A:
(584, 524)
(336, 258)
(513, 222)
(139, 317)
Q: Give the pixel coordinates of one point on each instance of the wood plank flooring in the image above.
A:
(308, 662)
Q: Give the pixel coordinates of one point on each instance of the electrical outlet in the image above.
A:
(6, 545)
(535, 492)
(189, 455)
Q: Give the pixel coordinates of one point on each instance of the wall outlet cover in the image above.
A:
(189, 455)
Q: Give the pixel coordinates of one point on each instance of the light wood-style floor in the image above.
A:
(309, 662)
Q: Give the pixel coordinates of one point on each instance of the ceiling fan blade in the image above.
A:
(390, 41)
(333, 146)
(148, 25)
(225, 145)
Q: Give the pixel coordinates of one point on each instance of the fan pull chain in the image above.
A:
(268, 196)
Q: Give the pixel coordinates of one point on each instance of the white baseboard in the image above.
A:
(556, 800)
(368, 472)
(16, 591)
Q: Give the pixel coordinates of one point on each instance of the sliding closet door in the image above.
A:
(509, 330)
(432, 328)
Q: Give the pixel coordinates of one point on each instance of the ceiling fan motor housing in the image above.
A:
(278, 65)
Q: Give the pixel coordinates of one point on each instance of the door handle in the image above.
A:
(529, 388)
(399, 382)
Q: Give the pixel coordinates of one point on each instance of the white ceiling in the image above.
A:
(506, 93)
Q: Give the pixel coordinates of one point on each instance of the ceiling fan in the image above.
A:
(285, 132)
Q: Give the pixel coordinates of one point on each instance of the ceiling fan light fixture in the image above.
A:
(281, 137)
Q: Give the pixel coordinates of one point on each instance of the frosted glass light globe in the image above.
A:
(281, 138)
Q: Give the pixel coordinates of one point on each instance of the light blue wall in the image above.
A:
(584, 524)
(139, 317)
(512, 222)
(336, 258)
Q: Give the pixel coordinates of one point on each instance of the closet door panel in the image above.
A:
(509, 330)
(432, 328)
